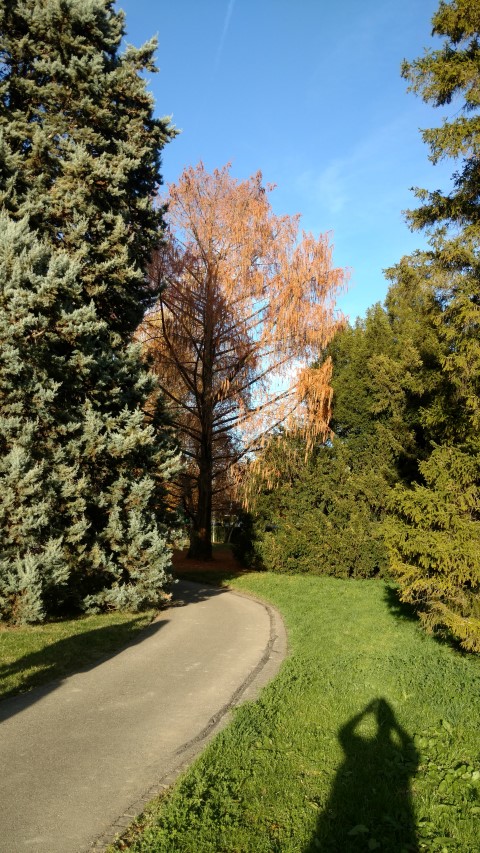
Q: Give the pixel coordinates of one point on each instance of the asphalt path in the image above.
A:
(79, 758)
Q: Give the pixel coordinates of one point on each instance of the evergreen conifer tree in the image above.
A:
(434, 538)
(83, 513)
(434, 529)
(80, 148)
(450, 75)
(324, 514)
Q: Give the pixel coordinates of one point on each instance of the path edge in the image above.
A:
(265, 671)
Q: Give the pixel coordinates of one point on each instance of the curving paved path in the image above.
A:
(80, 757)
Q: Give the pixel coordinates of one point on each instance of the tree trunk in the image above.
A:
(201, 529)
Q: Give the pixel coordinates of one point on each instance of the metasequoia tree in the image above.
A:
(83, 516)
(247, 306)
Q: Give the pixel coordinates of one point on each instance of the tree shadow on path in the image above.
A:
(42, 671)
(370, 806)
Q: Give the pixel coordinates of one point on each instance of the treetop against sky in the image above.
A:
(311, 94)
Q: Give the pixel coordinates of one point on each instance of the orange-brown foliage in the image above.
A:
(248, 306)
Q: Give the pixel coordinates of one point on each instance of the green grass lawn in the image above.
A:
(367, 740)
(33, 655)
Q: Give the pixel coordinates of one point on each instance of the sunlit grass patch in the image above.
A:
(367, 740)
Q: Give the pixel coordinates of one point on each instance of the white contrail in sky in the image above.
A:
(226, 25)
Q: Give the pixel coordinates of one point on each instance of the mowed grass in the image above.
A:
(367, 740)
(34, 655)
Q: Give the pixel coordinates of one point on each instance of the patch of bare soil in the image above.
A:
(223, 561)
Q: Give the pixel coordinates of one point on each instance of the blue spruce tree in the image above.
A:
(85, 455)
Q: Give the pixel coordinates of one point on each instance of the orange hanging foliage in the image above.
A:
(248, 305)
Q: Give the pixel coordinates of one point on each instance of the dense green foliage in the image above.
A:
(367, 740)
(323, 512)
(79, 146)
(435, 530)
(83, 516)
(434, 538)
(403, 470)
(433, 526)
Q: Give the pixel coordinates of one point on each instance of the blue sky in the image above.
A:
(310, 93)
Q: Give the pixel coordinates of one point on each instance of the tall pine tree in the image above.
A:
(450, 76)
(83, 513)
(434, 532)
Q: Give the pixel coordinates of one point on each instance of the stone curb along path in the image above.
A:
(143, 715)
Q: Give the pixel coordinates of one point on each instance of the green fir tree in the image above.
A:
(323, 513)
(434, 539)
(443, 77)
(84, 515)
(80, 147)
(434, 529)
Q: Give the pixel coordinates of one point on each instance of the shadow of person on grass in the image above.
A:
(370, 806)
